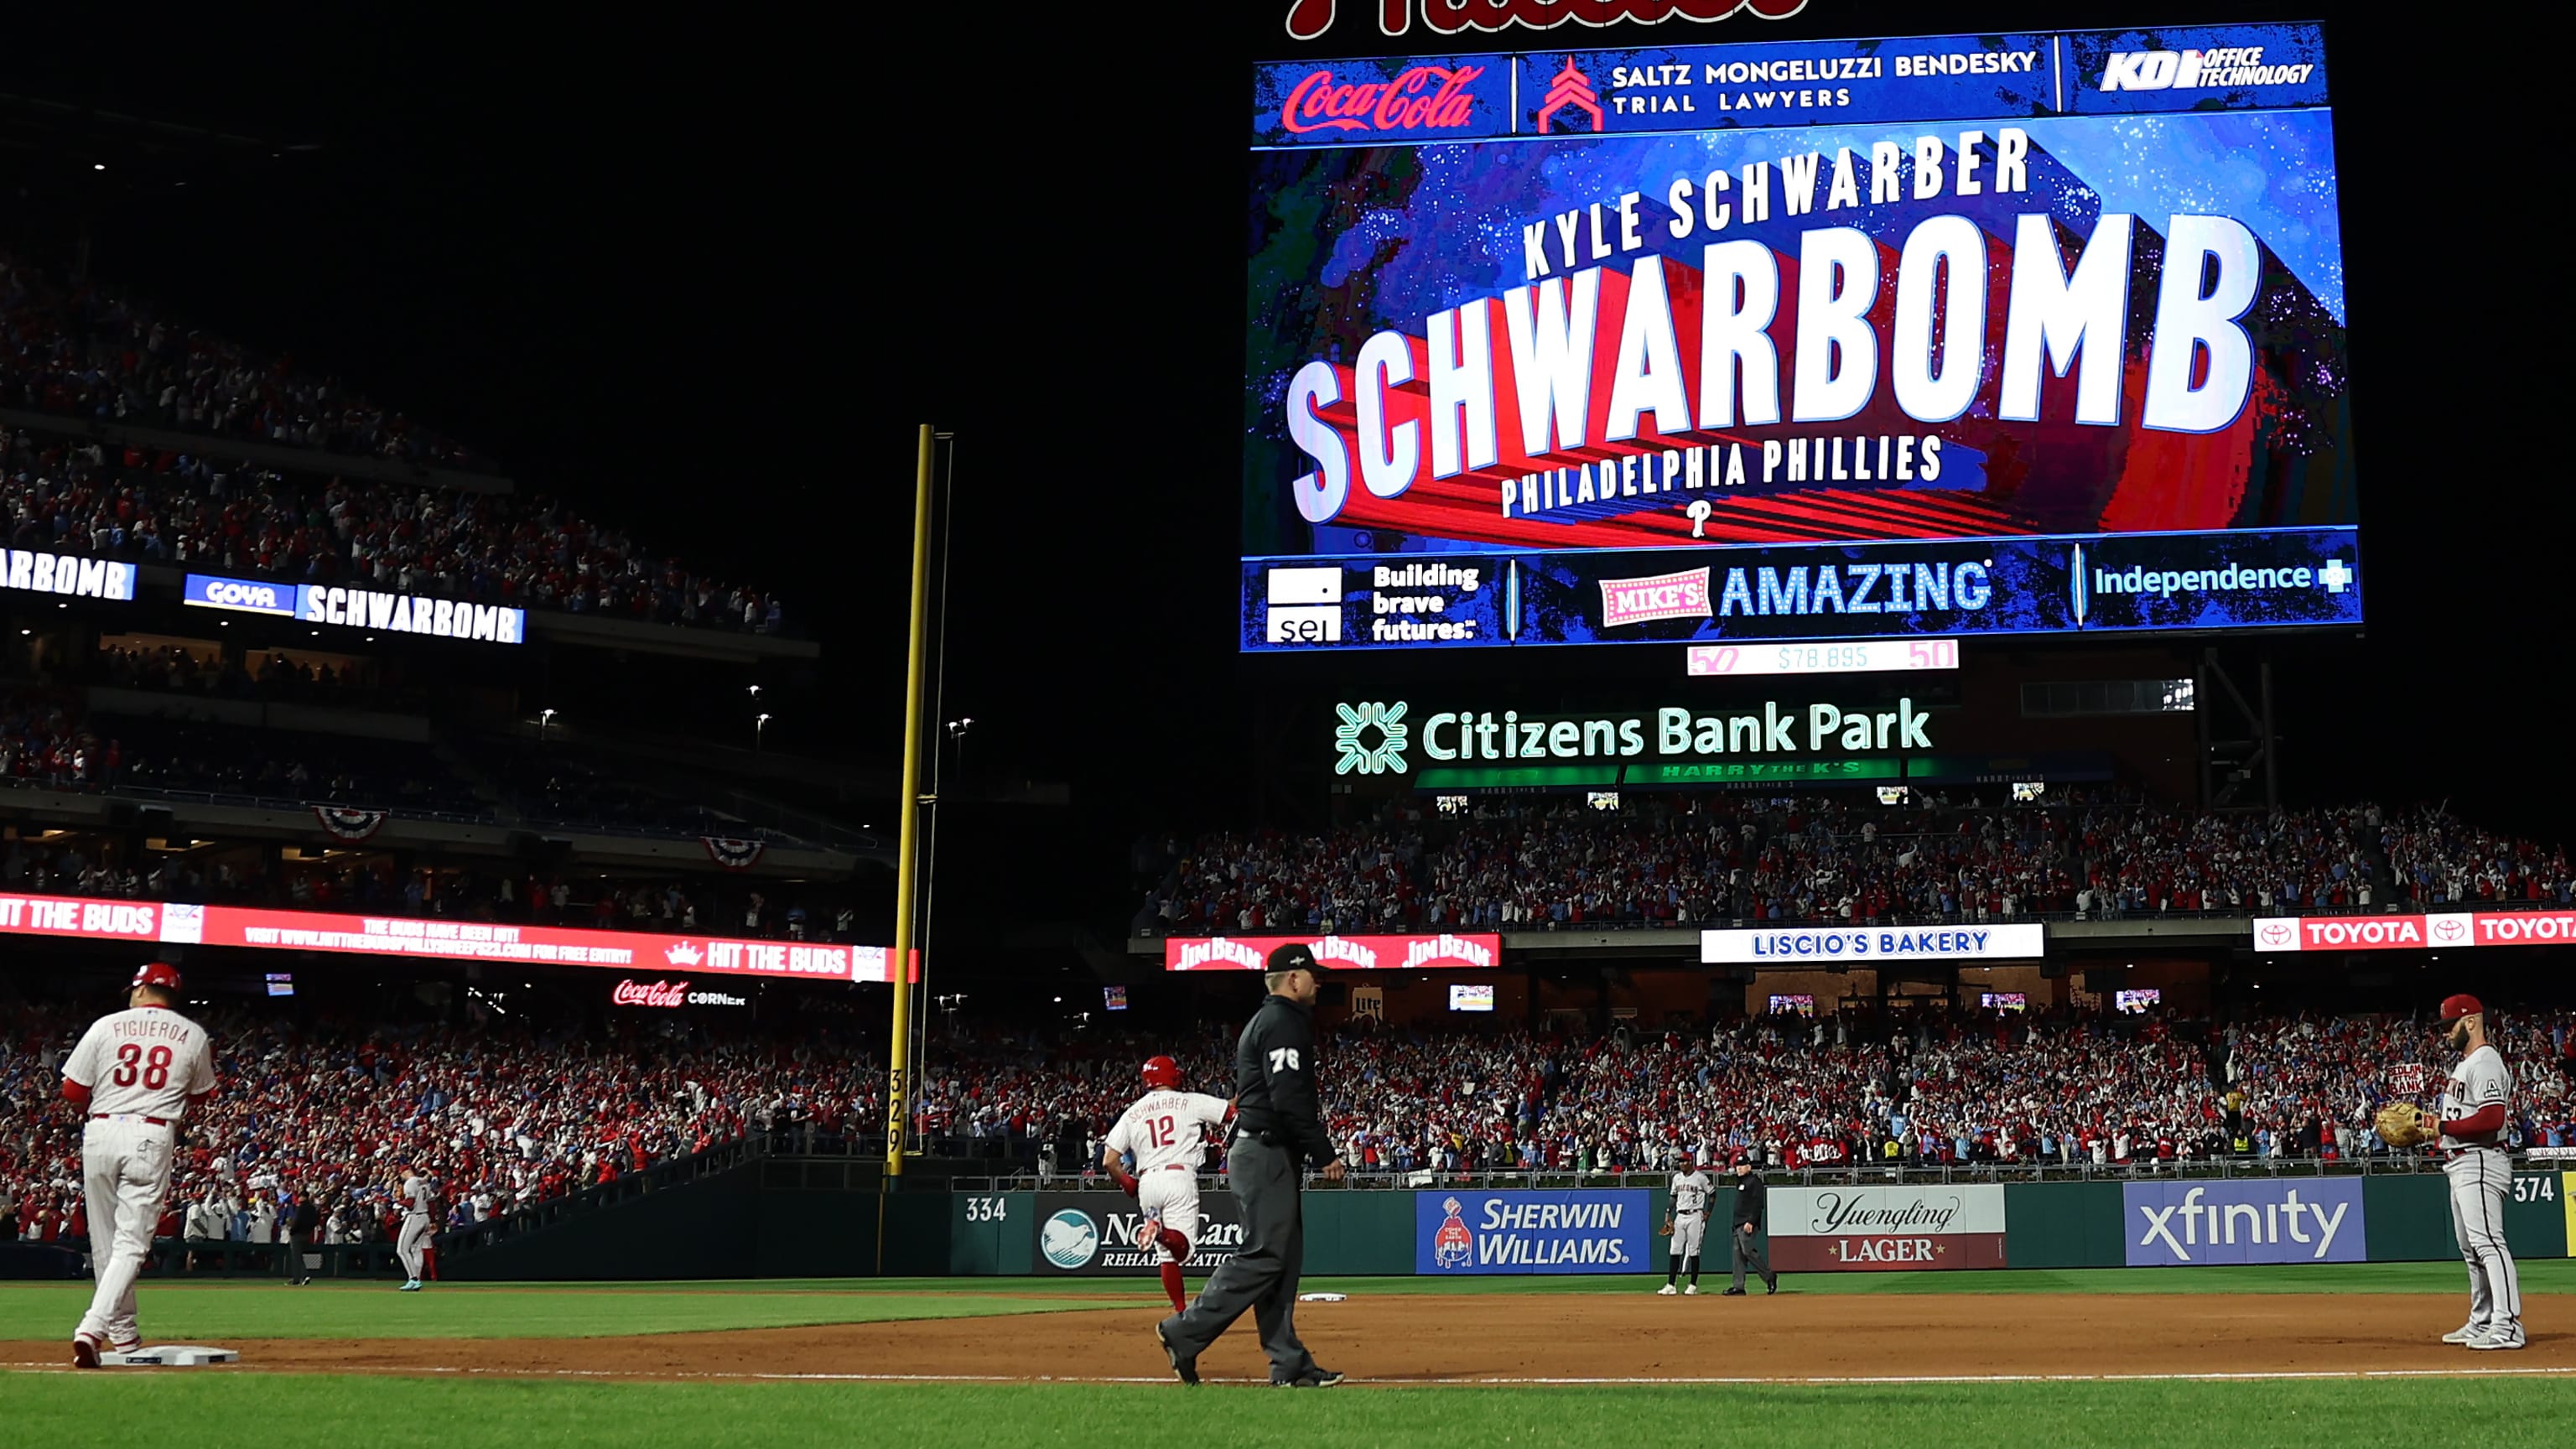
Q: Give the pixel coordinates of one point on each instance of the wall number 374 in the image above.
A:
(2536, 1189)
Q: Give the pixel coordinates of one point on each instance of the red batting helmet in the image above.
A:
(2455, 1007)
(155, 973)
(1162, 1073)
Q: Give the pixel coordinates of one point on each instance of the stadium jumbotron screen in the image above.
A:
(2015, 334)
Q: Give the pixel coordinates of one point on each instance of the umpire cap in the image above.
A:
(1295, 956)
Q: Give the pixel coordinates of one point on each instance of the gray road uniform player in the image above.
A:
(2475, 1107)
(1278, 1128)
(1688, 1227)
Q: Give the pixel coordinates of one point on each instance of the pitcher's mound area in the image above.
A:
(1401, 1338)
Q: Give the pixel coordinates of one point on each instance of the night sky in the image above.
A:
(707, 281)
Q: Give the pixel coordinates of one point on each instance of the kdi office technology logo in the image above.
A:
(1308, 19)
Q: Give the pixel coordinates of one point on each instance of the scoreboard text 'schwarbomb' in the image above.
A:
(2047, 343)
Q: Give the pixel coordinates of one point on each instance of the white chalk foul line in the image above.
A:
(1489, 1381)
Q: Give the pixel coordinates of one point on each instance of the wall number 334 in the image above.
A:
(2538, 1188)
(987, 1209)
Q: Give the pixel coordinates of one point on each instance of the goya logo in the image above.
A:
(248, 596)
(1454, 1245)
(1351, 737)
(1069, 1239)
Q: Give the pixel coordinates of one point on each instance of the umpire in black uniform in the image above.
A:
(1751, 1198)
(1278, 1129)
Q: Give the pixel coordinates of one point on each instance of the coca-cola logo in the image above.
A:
(1425, 97)
(1308, 19)
(669, 994)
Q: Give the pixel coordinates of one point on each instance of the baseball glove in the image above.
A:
(2403, 1124)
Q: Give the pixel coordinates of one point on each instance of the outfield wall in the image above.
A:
(1448, 1232)
(799, 1218)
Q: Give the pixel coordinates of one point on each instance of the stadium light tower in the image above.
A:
(545, 717)
(757, 726)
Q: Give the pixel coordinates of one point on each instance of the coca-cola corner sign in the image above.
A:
(2437, 931)
(1312, 19)
(1441, 952)
(669, 995)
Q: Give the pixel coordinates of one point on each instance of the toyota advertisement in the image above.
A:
(1947, 336)
(173, 923)
(2440, 931)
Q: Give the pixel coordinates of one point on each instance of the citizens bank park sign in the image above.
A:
(1443, 952)
(170, 923)
(2439, 931)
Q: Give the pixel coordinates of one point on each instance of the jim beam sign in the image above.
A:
(1882, 1229)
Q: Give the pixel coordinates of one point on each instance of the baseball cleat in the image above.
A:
(2464, 1333)
(84, 1351)
(1316, 1376)
(2499, 1336)
(1731, 1293)
(411, 1287)
(1184, 1366)
(1691, 1292)
(1667, 1291)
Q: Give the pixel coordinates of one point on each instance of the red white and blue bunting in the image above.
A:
(731, 853)
(349, 824)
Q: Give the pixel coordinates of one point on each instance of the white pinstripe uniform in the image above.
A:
(1164, 1129)
(2481, 1173)
(142, 1067)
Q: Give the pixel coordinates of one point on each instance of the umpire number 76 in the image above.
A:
(2535, 1189)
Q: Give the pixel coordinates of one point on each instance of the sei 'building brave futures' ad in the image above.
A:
(1967, 335)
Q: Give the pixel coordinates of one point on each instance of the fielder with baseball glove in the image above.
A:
(2403, 1124)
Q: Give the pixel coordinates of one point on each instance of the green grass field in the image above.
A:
(236, 1407)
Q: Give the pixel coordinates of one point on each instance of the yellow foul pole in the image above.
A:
(907, 840)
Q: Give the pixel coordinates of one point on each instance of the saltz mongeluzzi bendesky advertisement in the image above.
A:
(2001, 334)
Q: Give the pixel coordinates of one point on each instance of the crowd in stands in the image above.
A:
(1915, 1089)
(1675, 861)
(498, 1116)
(96, 356)
(46, 739)
(180, 509)
(370, 883)
(101, 356)
(501, 1114)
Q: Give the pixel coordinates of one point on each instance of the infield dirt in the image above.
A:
(1396, 1337)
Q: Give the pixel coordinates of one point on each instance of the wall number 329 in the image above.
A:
(2536, 1189)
